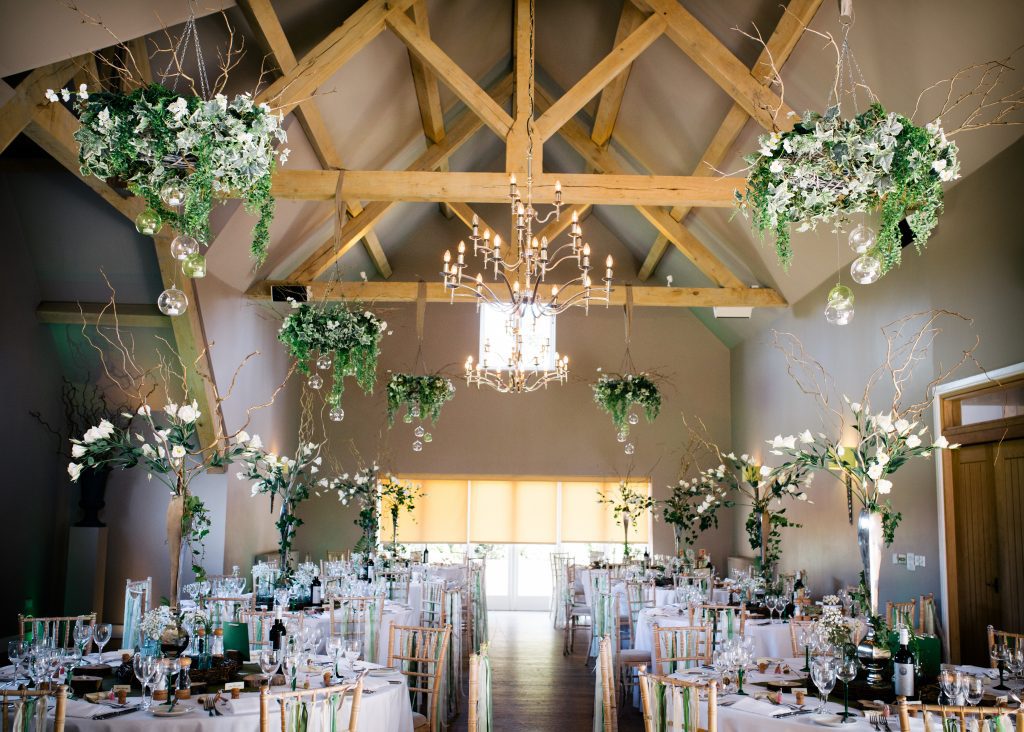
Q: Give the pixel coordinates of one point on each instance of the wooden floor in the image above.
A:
(536, 688)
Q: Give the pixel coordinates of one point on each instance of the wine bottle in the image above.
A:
(278, 633)
(315, 590)
(903, 667)
(647, 558)
(426, 555)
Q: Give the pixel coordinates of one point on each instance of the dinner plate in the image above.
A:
(827, 720)
(164, 711)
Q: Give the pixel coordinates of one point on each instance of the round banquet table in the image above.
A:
(385, 707)
(770, 639)
(394, 614)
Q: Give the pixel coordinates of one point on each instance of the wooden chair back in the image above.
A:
(357, 618)
(957, 714)
(928, 615)
(331, 696)
(480, 717)
(225, 609)
(419, 653)
(726, 621)
(432, 604)
(13, 707)
(638, 595)
(678, 695)
(698, 577)
(795, 626)
(397, 584)
(138, 595)
(1004, 638)
(901, 613)
(606, 676)
(259, 623)
(681, 647)
(59, 627)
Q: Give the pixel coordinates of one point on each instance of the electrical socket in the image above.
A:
(899, 559)
(911, 562)
(920, 560)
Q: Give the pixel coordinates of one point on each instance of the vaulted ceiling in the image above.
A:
(380, 107)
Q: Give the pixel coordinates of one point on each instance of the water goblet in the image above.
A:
(144, 668)
(823, 675)
(16, 651)
(847, 672)
(999, 653)
(947, 683)
(268, 661)
(101, 635)
(352, 649)
(974, 690)
(83, 637)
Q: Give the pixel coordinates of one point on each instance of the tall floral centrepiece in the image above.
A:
(397, 496)
(362, 488)
(346, 342)
(628, 506)
(692, 508)
(168, 447)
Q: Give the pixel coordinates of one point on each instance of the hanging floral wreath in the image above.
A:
(616, 395)
(423, 396)
(179, 152)
(347, 340)
(828, 167)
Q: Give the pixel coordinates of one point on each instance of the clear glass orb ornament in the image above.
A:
(840, 305)
(634, 418)
(407, 418)
(417, 446)
(183, 246)
(621, 437)
(323, 362)
(315, 381)
(173, 193)
(427, 437)
(419, 431)
(148, 222)
(861, 238)
(865, 269)
(194, 265)
(414, 410)
(630, 449)
(336, 414)
(172, 301)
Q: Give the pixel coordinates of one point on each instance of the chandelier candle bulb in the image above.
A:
(558, 196)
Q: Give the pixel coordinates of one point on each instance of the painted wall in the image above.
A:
(973, 265)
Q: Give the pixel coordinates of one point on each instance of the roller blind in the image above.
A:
(586, 520)
(513, 512)
(440, 515)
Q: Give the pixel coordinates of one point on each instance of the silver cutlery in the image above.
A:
(118, 713)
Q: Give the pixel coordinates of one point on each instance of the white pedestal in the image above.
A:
(86, 570)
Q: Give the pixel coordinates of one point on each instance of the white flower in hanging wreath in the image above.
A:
(423, 396)
(827, 168)
(345, 340)
(617, 395)
(180, 152)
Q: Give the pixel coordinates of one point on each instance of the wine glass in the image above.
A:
(847, 672)
(823, 674)
(145, 667)
(83, 636)
(268, 663)
(16, 651)
(101, 635)
(947, 683)
(975, 690)
(772, 602)
(352, 650)
(1000, 653)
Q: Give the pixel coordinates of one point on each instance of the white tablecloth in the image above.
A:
(771, 640)
(393, 614)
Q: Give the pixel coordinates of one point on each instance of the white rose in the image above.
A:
(74, 470)
(913, 441)
(884, 486)
(78, 451)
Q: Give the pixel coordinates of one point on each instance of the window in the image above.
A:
(496, 340)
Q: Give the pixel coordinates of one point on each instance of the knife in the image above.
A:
(118, 713)
(792, 714)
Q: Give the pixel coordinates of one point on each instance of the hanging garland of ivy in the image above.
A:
(616, 395)
(426, 393)
(827, 168)
(153, 137)
(351, 338)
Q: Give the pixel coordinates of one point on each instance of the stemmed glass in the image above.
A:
(947, 683)
(16, 651)
(847, 672)
(975, 690)
(1015, 660)
(772, 603)
(268, 661)
(334, 650)
(83, 635)
(145, 667)
(804, 636)
(101, 635)
(352, 650)
(823, 674)
(1000, 653)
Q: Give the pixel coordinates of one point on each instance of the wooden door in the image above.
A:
(977, 549)
(1009, 498)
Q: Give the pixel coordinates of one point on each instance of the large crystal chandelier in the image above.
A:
(519, 273)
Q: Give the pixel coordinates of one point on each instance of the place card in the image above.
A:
(234, 685)
(121, 687)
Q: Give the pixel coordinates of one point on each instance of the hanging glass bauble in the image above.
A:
(336, 414)
(323, 362)
(862, 238)
(866, 269)
(173, 193)
(629, 448)
(182, 246)
(419, 431)
(315, 381)
(148, 222)
(840, 305)
(621, 437)
(194, 265)
(414, 410)
(417, 446)
(172, 301)
(633, 418)
(407, 418)
(427, 437)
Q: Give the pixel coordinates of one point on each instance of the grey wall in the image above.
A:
(974, 265)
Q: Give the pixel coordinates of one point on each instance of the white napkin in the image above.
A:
(992, 673)
(762, 708)
(245, 704)
(83, 709)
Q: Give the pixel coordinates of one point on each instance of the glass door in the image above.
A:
(518, 576)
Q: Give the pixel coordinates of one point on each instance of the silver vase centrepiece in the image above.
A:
(872, 652)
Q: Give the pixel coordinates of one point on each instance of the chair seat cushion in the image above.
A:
(419, 722)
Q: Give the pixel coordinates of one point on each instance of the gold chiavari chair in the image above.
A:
(726, 621)
(901, 613)
(57, 627)
(357, 618)
(795, 627)
(137, 597)
(609, 716)
(259, 622)
(480, 717)
(629, 661)
(638, 595)
(226, 609)
(326, 702)
(927, 617)
(432, 604)
(1004, 638)
(419, 653)
(958, 714)
(397, 582)
(681, 647)
(16, 703)
(678, 695)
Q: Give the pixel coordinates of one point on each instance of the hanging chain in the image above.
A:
(849, 80)
(189, 37)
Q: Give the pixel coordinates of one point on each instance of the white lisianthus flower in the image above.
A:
(902, 426)
(74, 470)
(745, 458)
(765, 471)
(779, 442)
(806, 438)
(51, 95)
(171, 409)
(178, 451)
(884, 487)
(77, 450)
(941, 442)
(913, 441)
(147, 450)
(856, 407)
(801, 497)
(145, 411)
(256, 443)
(187, 414)
(875, 471)
(881, 458)
(242, 437)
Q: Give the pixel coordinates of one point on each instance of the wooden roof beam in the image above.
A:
(29, 97)
(400, 292)
(611, 96)
(797, 16)
(129, 315)
(517, 143)
(265, 23)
